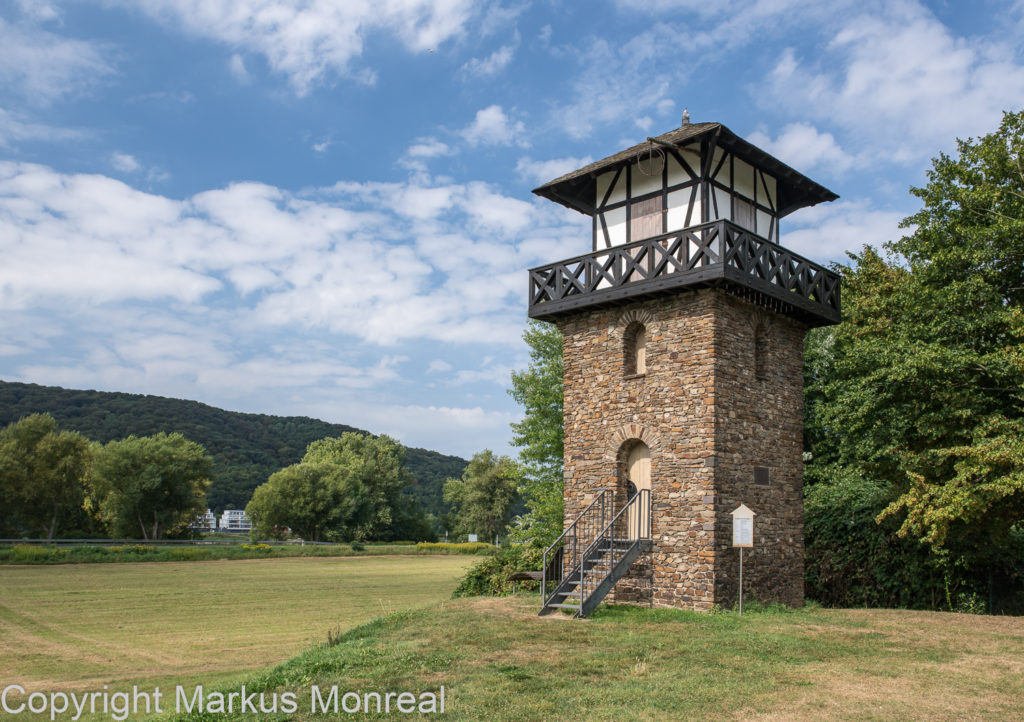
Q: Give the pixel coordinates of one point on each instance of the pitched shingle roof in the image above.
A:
(795, 190)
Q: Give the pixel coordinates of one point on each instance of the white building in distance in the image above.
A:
(235, 520)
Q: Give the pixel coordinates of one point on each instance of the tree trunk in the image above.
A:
(142, 526)
(53, 525)
(156, 526)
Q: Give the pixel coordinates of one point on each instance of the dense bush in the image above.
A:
(491, 576)
(851, 560)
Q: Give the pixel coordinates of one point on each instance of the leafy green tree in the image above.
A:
(539, 435)
(482, 499)
(921, 388)
(378, 464)
(42, 475)
(150, 484)
(317, 501)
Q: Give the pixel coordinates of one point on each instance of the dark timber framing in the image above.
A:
(719, 254)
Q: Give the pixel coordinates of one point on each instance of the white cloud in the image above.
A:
(14, 128)
(416, 155)
(491, 65)
(256, 298)
(42, 67)
(428, 148)
(440, 427)
(379, 262)
(620, 81)
(901, 81)
(307, 41)
(439, 366)
(124, 162)
(322, 146)
(542, 171)
(38, 10)
(825, 232)
(236, 66)
(492, 126)
(803, 146)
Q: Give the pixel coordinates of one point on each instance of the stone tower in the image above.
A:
(683, 359)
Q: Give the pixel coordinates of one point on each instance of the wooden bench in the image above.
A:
(524, 577)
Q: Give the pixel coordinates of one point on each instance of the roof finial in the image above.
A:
(686, 116)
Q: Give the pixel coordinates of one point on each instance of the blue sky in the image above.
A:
(323, 208)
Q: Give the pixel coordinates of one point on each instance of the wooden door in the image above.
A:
(638, 477)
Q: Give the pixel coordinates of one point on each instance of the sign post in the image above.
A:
(742, 537)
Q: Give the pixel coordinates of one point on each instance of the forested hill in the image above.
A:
(246, 448)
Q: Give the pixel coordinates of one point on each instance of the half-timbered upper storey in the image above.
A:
(711, 201)
(696, 173)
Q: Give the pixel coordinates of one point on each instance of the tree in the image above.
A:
(482, 498)
(150, 484)
(317, 501)
(42, 475)
(921, 389)
(378, 463)
(539, 435)
(345, 487)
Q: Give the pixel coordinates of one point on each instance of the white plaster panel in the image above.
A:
(602, 186)
(724, 207)
(677, 205)
(676, 174)
(743, 178)
(724, 175)
(691, 154)
(769, 184)
(619, 191)
(645, 183)
(764, 224)
(616, 221)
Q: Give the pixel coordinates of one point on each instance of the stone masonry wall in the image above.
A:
(707, 420)
(759, 422)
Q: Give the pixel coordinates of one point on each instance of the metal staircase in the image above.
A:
(594, 552)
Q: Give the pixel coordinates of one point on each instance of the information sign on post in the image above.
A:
(742, 537)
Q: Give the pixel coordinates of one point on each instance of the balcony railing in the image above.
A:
(719, 253)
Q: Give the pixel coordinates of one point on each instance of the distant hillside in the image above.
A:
(246, 448)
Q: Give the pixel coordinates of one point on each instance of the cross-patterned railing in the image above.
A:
(717, 253)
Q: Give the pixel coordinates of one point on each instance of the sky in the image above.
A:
(324, 208)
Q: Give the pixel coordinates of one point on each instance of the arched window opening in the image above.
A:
(635, 350)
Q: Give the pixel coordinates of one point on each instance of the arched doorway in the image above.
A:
(638, 477)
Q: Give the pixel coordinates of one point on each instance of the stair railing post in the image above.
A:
(544, 578)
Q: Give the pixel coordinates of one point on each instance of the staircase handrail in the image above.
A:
(557, 544)
(608, 533)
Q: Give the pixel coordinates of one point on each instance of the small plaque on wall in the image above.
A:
(762, 475)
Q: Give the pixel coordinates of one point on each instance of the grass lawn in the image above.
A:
(498, 661)
(78, 627)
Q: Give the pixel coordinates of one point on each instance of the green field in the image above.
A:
(78, 627)
(499, 661)
(225, 624)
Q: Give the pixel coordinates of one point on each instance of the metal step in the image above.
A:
(565, 606)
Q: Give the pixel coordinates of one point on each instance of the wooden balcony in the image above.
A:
(717, 254)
